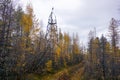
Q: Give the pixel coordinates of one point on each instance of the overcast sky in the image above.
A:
(78, 16)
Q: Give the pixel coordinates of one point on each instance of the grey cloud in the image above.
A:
(97, 13)
(94, 13)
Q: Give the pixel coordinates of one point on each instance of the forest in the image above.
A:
(29, 53)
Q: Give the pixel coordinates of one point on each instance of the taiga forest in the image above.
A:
(30, 52)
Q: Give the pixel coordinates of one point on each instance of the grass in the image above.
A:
(74, 72)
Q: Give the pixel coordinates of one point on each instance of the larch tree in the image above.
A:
(6, 23)
(103, 42)
(76, 49)
(114, 33)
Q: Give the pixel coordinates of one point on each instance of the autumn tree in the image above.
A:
(6, 23)
(89, 63)
(103, 52)
(114, 33)
(66, 50)
(93, 64)
(76, 50)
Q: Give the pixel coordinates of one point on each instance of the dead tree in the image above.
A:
(103, 51)
(114, 36)
(6, 18)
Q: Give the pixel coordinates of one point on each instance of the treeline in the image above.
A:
(24, 48)
(102, 62)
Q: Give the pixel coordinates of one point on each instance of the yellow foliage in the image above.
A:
(76, 48)
(108, 49)
(26, 23)
(58, 51)
(66, 38)
(49, 66)
(27, 20)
